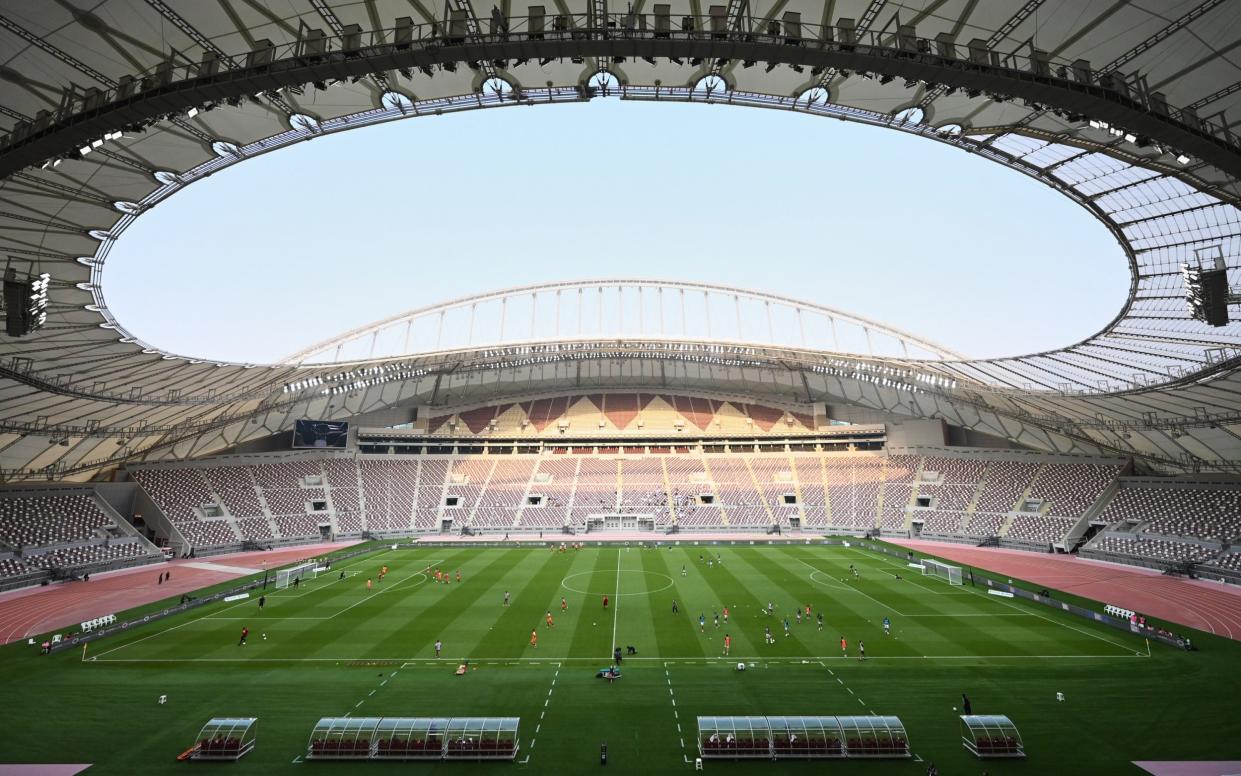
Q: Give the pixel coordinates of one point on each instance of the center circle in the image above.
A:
(601, 583)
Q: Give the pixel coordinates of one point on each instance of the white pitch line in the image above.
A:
(854, 589)
(616, 603)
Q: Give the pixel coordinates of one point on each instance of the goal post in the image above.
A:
(303, 572)
(933, 568)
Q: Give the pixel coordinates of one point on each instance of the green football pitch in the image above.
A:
(331, 648)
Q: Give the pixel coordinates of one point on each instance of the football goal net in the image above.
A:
(304, 572)
(949, 573)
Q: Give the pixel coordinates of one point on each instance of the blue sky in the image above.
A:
(301, 244)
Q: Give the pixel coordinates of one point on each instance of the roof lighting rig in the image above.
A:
(25, 302)
(1206, 287)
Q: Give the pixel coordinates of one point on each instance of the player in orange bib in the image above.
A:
(534, 639)
(728, 643)
(844, 647)
(550, 623)
(368, 586)
(458, 575)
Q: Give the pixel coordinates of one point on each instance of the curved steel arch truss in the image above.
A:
(612, 309)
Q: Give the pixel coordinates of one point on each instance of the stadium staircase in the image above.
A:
(672, 509)
(1081, 531)
(271, 521)
(1007, 523)
(758, 488)
(525, 498)
(482, 494)
(577, 471)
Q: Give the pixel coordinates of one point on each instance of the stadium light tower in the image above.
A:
(1206, 287)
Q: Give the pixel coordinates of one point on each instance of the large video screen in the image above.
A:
(320, 434)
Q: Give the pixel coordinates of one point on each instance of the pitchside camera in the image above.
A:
(1206, 287)
(25, 303)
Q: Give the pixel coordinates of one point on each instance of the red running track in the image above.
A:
(35, 610)
(1207, 606)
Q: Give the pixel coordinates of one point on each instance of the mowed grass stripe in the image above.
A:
(529, 581)
(844, 614)
(671, 634)
(747, 590)
(592, 633)
(1081, 637)
(433, 611)
(875, 596)
(542, 594)
(199, 630)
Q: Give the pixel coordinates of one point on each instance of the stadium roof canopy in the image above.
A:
(106, 109)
